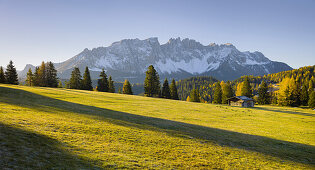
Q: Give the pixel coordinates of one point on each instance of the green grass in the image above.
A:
(62, 128)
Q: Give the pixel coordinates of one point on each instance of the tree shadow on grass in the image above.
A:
(282, 110)
(285, 150)
(21, 149)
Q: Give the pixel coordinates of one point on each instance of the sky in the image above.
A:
(33, 31)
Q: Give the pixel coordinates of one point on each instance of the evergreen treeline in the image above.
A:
(152, 86)
(9, 76)
(44, 76)
(288, 88)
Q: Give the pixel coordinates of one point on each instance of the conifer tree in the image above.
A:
(294, 93)
(188, 99)
(11, 76)
(194, 96)
(247, 89)
(86, 81)
(263, 95)
(151, 82)
(310, 87)
(29, 78)
(217, 99)
(119, 90)
(102, 83)
(166, 93)
(36, 77)
(51, 75)
(304, 95)
(111, 87)
(239, 89)
(173, 90)
(227, 92)
(311, 101)
(42, 75)
(75, 80)
(2, 77)
(127, 88)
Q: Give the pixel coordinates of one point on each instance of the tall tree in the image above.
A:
(217, 94)
(173, 90)
(227, 91)
(2, 77)
(51, 75)
(239, 89)
(11, 74)
(166, 93)
(42, 75)
(111, 86)
(102, 83)
(304, 95)
(294, 92)
(29, 78)
(263, 95)
(86, 81)
(311, 100)
(247, 88)
(36, 79)
(75, 79)
(127, 88)
(194, 95)
(151, 82)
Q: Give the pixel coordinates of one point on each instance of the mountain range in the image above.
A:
(129, 59)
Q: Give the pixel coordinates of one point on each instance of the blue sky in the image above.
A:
(35, 30)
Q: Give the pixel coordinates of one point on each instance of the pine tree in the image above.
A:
(294, 93)
(51, 75)
(284, 93)
(11, 76)
(173, 90)
(188, 99)
(75, 80)
(239, 89)
(217, 99)
(263, 95)
(227, 92)
(36, 77)
(102, 83)
(42, 81)
(29, 78)
(304, 95)
(247, 89)
(151, 82)
(127, 87)
(311, 101)
(166, 93)
(111, 87)
(2, 77)
(86, 81)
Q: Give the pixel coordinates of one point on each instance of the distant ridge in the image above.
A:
(129, 59)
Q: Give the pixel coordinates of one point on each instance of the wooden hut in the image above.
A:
(241, 101)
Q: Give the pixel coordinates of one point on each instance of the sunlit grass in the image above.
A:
(103, 130)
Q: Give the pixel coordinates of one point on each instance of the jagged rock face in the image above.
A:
(177, 59)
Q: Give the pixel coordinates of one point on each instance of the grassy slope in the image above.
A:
(45, 127)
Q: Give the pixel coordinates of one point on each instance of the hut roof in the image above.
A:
(241, 98)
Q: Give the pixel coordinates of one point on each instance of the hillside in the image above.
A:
(65, 129)
(177, 58)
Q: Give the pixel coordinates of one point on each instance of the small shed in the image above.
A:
(241, 101)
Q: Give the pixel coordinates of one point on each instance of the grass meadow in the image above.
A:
(52, 128)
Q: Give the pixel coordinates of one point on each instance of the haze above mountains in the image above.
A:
(129, 59)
